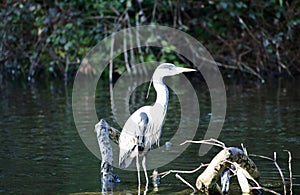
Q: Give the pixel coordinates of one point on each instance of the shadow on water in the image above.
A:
(42, 153)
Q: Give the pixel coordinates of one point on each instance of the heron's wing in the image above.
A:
(128, 150)
(132, 136)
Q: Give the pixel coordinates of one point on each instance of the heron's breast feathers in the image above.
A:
(140, 132)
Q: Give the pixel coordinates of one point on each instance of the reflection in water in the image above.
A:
(42, 153)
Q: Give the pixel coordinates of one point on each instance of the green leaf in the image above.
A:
(69, 26)
(68, 46)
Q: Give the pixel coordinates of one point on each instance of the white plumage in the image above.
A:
(143, 128)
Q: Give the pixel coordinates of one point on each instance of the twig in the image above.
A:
(139, 47)
(131, 43)
(261, 156)
(115, 10)
(100, 17)
(154, 11)
(277, 166)
(251, 71)
(245, 172)
(248, 176)
(111, 66)
(280, 172)
(125, 52)
(66, 68)
(243, 180)
(211, 141)
(184, 181)
(247, 29)
(244, 149)
(290, 171)
(180, 171)
(227, 66)
(280, 62)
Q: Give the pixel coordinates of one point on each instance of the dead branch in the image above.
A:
(111, 66)
(184, 181)
(229, 159)
(163, 174)
(222, 161)
(276, 165)
(132, 58)
(244, 149)
(211, 141)
(107, 176)
(125, 53)
(290, 171)
(243, 177)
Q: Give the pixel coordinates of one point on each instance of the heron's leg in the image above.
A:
(138, 173)
(146, 175)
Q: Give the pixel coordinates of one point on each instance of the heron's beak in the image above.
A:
(180, 69)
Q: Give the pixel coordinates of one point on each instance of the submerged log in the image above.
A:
(107, 177)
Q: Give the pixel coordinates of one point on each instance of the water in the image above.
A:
(42, 153)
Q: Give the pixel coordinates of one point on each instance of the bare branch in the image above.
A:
(211, 141)
(244, 149)
(111, 66)
(290, 171)
(240, 170)
(184, 181)
(125, 52)
(276, 165)
(180, 171)
(281, 174)
(261, 156)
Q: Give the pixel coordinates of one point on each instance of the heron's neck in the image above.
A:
(162, 93)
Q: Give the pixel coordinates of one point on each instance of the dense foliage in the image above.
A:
(50, 38)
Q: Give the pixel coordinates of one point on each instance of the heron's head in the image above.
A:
(168, 69)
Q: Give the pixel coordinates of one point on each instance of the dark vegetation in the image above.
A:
(50, 38)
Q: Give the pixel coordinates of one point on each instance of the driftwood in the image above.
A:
(229, 162)
(221, 164)
(107, 177)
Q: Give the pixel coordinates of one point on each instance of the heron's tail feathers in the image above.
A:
(125, 163)
(125, 158)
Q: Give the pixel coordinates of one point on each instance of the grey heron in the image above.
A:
(143, 128)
